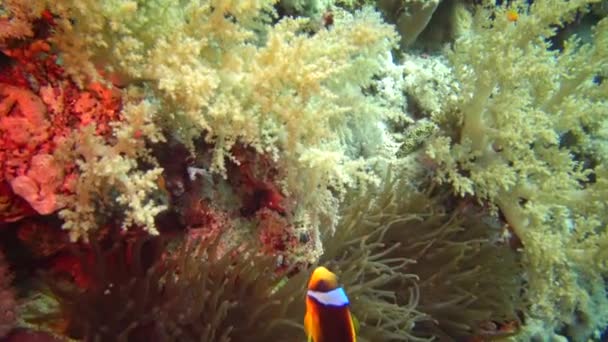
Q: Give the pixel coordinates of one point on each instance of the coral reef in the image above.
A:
(111, 170)
(386, 250)
(171, 169)
(287, 100)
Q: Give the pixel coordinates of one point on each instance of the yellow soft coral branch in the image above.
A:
(520, 100)
(105, 168)
(223, 71)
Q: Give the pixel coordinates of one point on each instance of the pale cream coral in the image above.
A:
(296, 97)
(429, 81)
(109, 174)
(518, 103)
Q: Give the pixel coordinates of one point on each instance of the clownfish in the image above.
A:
(328, 317)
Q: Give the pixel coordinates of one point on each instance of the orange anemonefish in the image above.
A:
(328, 317)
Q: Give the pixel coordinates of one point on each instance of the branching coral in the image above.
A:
(300, 98)
(109, 174)
(39, 108)
(529, 139)
(16, 20)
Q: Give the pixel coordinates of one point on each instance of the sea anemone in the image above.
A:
(177, 292)
(413, 271)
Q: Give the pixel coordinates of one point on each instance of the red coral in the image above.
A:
(24, 130)
(12, 207)
(203, 220)
(41, 238)
(39, 186)
(276, 234)
(74, 267)
(257, 176)
(100, 105)
(39, 106)
(33, 66)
